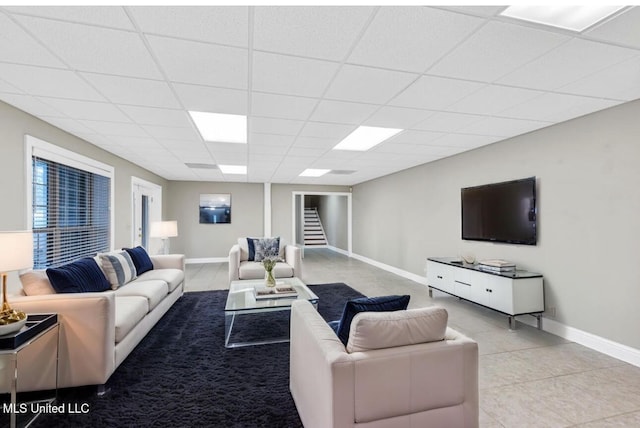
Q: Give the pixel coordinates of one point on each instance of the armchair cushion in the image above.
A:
(378, 330)
(247, 248)
(363, 304)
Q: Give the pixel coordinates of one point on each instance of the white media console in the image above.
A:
(512, 293)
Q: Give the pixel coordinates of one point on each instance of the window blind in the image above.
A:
(71, 213)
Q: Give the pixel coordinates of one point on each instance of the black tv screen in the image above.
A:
(500, 212)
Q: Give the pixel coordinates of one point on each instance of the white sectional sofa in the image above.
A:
(100, 329)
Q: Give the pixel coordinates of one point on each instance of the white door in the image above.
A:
(146, 208)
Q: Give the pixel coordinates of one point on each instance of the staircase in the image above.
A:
(313, 232)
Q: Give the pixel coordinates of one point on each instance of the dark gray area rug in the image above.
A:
(181, 375)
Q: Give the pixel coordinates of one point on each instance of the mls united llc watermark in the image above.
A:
(69, 408)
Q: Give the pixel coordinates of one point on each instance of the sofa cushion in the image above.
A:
(153, 290)
(243, 243)
(173, 277)
(266, 247)
(129, 312)
(141, 259)
(36, 283)
(363, 304)
(81, 276)
(377, 330)
(254, 270)
(118, 267)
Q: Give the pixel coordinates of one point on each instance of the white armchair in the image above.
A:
(241, 268)
(387, 376)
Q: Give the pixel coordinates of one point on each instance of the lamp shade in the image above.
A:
(16, 250)
(164, 229)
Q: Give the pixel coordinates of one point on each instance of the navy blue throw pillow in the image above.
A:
(252, 249)
(140, 259)
(367, 304)
(82, 276)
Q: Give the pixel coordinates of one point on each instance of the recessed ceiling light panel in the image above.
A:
(310, 172)
(365, 137)
(233, 169)
(569, 17)
(221, 128)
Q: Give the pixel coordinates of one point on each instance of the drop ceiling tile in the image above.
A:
(409, 27)
(189, 134)
(270, 140)
(620, 82)
(228, 149)
(496, 49)
(397, 117)
(31, 105)
(92, 48)
(266, 159)
(554, 107)
(566, 64)
(37, 81)
(223, 25)
(502, 127)
(231, 158)
(263, 125)
(72, 126)
(312, 152)
(114, 128)
(477, 10)
(492, 99)
(368, 85)
(320, 32)
(140, 144)
(211, 99)
(342, 112)
(339, 156)
(623, 29)
(326, 130)
(88, 110)
(133, 91)
(157, 116)
(6, 87)
(104, 16)
(291, 75)
(268, 149)
(432, 93)
(199, 63)
(464, 141)
(19, 47)
(447, 122)
(281, 106)
(184, 146)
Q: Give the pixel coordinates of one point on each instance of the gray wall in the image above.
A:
(333, 213)
(588, 204)
(14, 124)
(197, 240)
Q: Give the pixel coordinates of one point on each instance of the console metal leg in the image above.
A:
(102, 390)
(512, 322)
(538, 321)
(430, 292)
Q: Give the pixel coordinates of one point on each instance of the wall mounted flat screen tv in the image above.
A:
(500, 212)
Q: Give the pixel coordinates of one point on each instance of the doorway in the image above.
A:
(146, 208)
(334, 210)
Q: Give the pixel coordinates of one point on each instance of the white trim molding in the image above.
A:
(403, 273)
(207, 260)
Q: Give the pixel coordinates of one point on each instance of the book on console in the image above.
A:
(497, 263)
(262, 292)
(494, 269)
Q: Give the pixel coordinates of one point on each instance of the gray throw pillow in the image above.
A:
(266, 247)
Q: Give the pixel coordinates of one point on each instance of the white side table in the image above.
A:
(31, 352)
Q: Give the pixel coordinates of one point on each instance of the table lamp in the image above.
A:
(16, 253)
(164, 230)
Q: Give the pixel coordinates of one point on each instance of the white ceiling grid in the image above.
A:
(454, 78)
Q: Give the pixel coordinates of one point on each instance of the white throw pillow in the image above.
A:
(378, 330)
(118, 267)
(36, 283)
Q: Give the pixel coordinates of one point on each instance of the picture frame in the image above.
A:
(215, 208)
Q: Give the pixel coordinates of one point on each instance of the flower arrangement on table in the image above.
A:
(268, 253)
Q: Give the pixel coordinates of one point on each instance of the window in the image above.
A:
(70, 205)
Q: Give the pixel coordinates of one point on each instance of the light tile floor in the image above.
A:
(528, 378)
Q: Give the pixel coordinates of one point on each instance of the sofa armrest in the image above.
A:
(293, 257)
(87, 334)
(168, 261)
(234, 263)
(321, 373)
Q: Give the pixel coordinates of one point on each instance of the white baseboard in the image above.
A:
(207, 260)
(338, 250)
(403, 273)
(613, 349)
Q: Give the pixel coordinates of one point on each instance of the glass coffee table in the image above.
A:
(257, 321)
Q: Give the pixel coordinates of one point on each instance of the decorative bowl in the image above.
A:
(13, 327)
